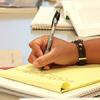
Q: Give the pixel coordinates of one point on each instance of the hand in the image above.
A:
(62, 52)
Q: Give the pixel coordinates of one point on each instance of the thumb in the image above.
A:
(44, 60)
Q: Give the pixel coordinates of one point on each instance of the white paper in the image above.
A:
(85, 16)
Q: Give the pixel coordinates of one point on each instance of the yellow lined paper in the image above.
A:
(58, 79)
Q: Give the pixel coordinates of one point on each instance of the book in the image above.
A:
(59, 79)
(43, 20)
(10, 58)
(84, 15)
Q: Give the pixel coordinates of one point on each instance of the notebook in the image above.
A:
(59, 79)
(43, 20)
(84, 15)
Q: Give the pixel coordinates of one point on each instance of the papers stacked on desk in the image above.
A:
(27, 81)
(24, 90)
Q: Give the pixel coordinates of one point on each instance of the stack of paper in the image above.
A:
(74, 81)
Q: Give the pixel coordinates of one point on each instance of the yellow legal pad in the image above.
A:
(58, 79)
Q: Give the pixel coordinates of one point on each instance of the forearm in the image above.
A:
(62, 52)
(92, 50)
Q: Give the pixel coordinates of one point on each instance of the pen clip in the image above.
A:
(56, 17)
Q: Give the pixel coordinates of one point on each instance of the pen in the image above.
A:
(53, 28)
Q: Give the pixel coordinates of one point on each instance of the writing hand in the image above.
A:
(62, 52)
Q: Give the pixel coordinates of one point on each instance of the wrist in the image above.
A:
(92, 47)
(73, 54)
(90, 53)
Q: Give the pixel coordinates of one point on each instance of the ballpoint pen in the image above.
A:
(53, 28)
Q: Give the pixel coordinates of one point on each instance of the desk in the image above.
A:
(16, 33)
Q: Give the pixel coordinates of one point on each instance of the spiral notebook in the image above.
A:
(43, 20)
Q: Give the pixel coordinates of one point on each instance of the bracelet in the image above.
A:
(81, 51)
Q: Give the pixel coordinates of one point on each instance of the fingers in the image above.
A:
(32, 58)
(40, 42)
(36, 57)
(37, 51)
(44, 60)
(38, 46)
